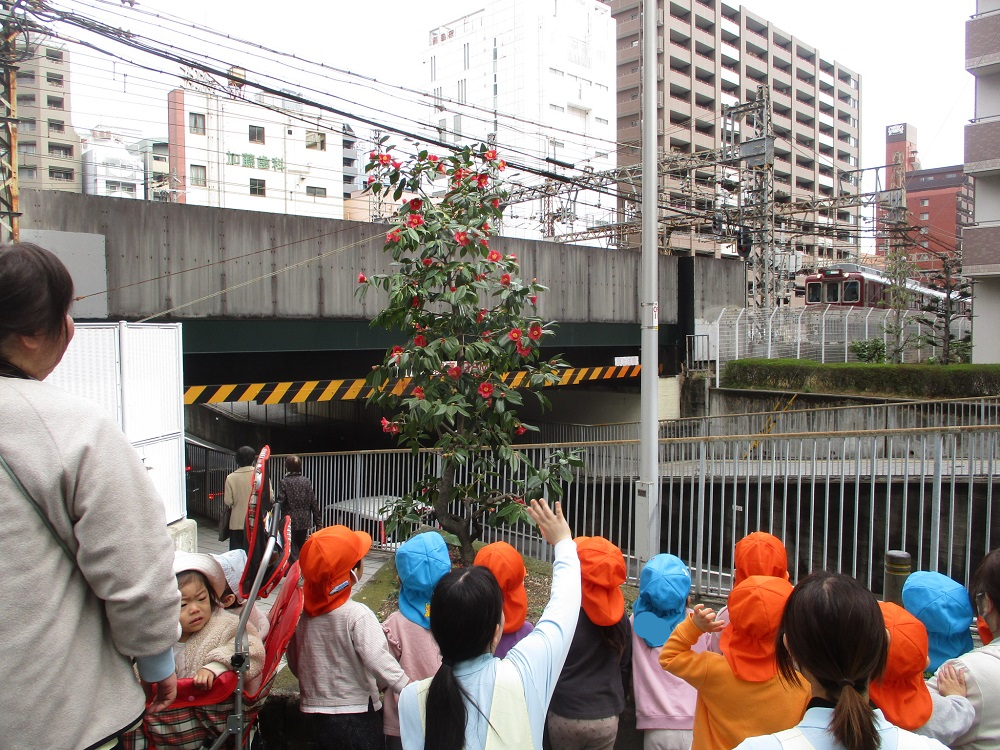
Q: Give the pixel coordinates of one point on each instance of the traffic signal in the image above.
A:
(744, 242)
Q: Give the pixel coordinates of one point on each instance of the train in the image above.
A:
(854, 285)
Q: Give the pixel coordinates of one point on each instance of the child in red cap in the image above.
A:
(739, 693)
(339, 652)
(591, 690)
(507, 565)
(901, 692)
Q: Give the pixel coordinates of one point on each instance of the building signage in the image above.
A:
(895, 129)
(254, 162)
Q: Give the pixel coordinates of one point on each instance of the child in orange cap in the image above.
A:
(756, 554)
(339, 652)
(901, 692)
(591, 690)
(730, 686)
(507, 565)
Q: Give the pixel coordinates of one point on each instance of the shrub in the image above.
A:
(871, 351)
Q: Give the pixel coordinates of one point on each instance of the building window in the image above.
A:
(257, 187)
(601, 121)
(61, 174)
(54, 102)
(196, 123)
(26, 125)
(60, 151)
(557, 108)
(439, 98)
(123, 189)
(315, 140)
(199, 175)
(434, 68)
(924, 217)
(315, 192)
(27, 173)
(256, 134)
(465, 56)
(23, 99)
(461, 91)
(54, 79)
(27, 147)
(57, 126)
(923, 230)
(925, 202)
(25, 76)
(55, 55)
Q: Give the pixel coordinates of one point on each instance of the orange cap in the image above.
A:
(602, 570)
(755, 609)
(902, 693)
(760, 554)
(326, 561)
(507, 566)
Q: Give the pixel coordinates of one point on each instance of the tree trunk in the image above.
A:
(453, 524)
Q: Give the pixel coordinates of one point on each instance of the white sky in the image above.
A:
(909, 53)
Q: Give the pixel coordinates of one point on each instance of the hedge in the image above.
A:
(904, 381)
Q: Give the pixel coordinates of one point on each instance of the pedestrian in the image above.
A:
(475, 700)
(88, 581)
(507, 565)
(237, 496)
(295, 493)
(833, 634)
(591, 690)
(739, 691)
(942, 605)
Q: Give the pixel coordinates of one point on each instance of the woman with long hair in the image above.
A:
(833, 634)
(475, 700)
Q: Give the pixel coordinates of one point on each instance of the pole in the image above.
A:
(647, 501)
(9, 214)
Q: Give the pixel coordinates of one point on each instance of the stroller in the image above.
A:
(206, 719)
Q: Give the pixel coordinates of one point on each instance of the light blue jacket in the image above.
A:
(538, 658)
(813, 728)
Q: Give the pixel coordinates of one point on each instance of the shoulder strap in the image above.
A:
(41, 514)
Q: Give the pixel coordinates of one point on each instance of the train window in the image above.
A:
(813, 293)
(832, 291)
(852, 292)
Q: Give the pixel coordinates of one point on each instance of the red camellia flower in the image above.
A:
(505, 279)
(521, 429)
(416, 204)
(523, 349)
(419, 340)
(484, 242)
(372, 155)
(491, 154)
(482, 181)
(384, 159)
(442, 168)
(514, 334)
(485, 390)
(512, 257)
(481, 316)
(460, 174)
(462, 238)
(427, 261)
(494, 256)
(415, 302)
(486, 226)
(535, 331)
(487, 335)
(396, 164)
(454, 289)
(362, 278)
(392, 236)
(385, 424)
(432, 157)
(496, 203)
(455, 372)
(371, 179)
(501, 165)
(418, 393)
(394, 353)
(533, 299)
(414, 220)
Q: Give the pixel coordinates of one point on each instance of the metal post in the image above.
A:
(798, 335)
(847, 330)
(822, 336)
(718, 347)
(898, 566)
(647, 501)
(936, 502)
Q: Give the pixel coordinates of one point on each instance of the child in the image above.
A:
(943, 606)
(339, 652)
(507, 565)
(590, 693)
(208, 631)
(233, 563)
(739, 692)
(420, 562)
(901, 692)
(756, 554)
(664, 704)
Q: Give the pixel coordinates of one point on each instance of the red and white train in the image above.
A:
(853, 285)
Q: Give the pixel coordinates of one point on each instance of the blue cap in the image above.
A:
(421, 562)
(943, 606)
(664, 585)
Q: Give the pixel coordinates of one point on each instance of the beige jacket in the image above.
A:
(237, 495)
(212, 647)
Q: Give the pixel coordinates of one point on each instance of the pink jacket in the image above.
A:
(417, 653)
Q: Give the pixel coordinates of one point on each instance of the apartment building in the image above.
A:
(536, 77)
(109, 169)
(48, 147)
(981, 241)
(267, 153)
(712, 53)
(154, 153)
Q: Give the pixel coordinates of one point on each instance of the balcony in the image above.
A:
(629, 28)
(982, 147)
(981, 250)
(982, 55)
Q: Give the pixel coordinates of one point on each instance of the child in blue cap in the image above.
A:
(664, 704)
(421, 562)
(943, 606)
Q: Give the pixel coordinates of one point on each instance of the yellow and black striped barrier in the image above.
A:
(301, 391)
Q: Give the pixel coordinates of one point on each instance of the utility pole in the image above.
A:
(9, 202)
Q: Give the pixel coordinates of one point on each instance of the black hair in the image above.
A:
(293, 464)
(36, 292)
(245, 456)
(466, 608)
(196, 576)
(616, 637)
(836, 633)
(986, 580)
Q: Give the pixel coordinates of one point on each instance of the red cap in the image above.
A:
(326, 561)
(902, 693)
(507, 566)
(760, 554)
(602, 569)
(755, 609)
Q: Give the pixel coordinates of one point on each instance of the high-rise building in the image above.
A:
(109, 168)
(269, 154)
(536, 77)
(713, 53)
(938, 202)
(981, 241)
(48, 148)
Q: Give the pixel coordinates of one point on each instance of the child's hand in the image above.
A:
(704, 619)
(551, 523)
(204, 679)
(950, 681)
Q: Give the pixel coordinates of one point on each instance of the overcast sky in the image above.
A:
(909, 53)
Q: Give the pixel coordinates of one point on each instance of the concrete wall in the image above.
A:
(986, 341)
(164, 255)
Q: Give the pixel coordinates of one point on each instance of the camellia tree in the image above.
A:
(468, 319)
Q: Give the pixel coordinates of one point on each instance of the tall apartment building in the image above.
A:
(537, 78)
(268, 154)
(109, 169)
(713, 53)
(981, 241)
(48, 148)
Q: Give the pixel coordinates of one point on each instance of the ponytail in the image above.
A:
(446, 714)
(616, 637)
(853, 724)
